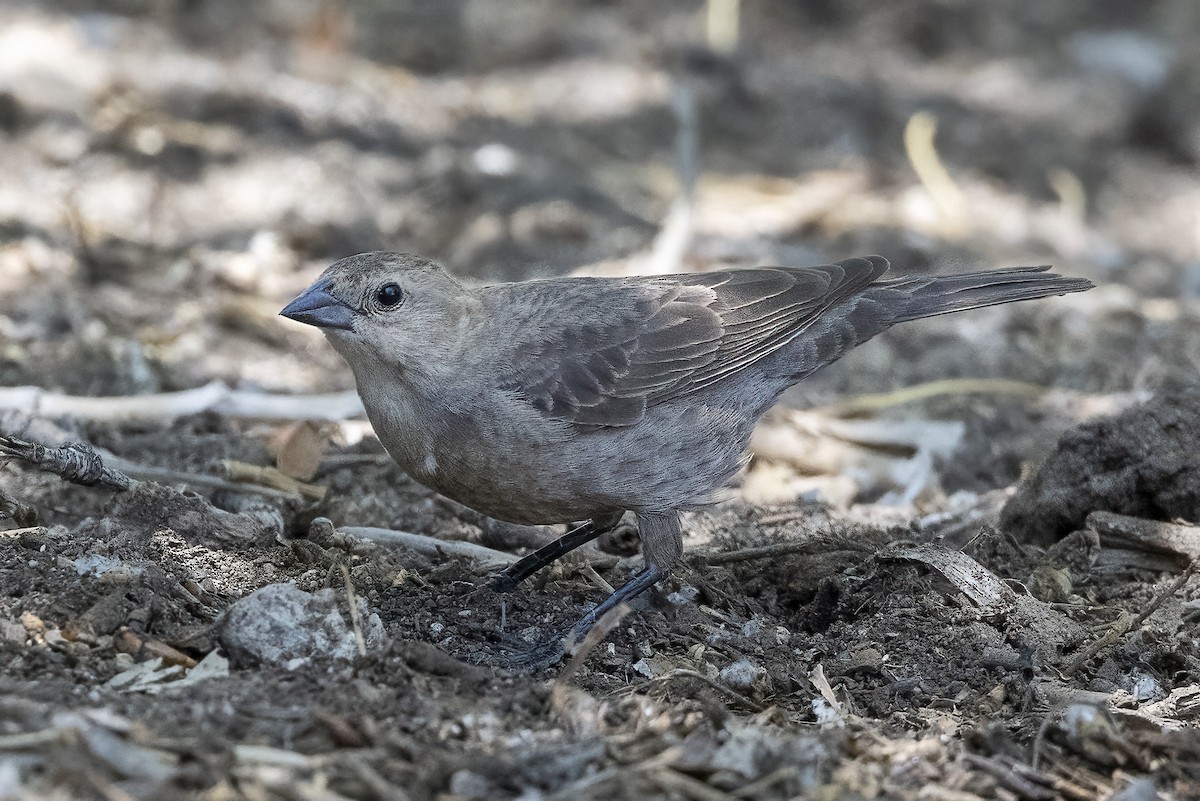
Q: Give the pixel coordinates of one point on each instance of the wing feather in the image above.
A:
(598, 352)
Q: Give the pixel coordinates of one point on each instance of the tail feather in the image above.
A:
(929, 296)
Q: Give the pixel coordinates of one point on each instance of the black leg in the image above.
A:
(627, 592)
(662, 545)
(518, 571)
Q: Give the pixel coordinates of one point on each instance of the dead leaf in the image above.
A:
(298, 449)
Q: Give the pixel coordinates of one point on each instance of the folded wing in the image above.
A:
(605, 351)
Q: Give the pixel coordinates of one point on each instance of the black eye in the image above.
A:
(389, 295)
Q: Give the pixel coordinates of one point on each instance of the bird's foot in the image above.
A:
(502, 582)
(523, 659)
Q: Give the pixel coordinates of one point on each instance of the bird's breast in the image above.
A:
(492, 454)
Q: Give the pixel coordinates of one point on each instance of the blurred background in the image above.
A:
(176, 170)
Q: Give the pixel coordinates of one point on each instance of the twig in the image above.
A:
(76, 462)
(243, 473)
(1009, 778)
(212, 397)
(31, 739)
(783, 517)
(381, 787)
(141, 649)
(165, 475)
(589, 572)
(355, 617)
(600, 629)
(80, 463)
(684, 673)
(776, 550)
(675, 235)
(431, 546)
(1125, 625)
(672, 781)
(499, 532)
(755, 788)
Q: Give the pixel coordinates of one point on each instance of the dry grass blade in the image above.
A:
(861, 405)
(922, 154)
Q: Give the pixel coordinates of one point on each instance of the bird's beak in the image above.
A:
(317, 307)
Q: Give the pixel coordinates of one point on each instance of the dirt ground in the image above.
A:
(958, 567)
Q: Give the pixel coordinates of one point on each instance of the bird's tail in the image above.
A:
(931, 295)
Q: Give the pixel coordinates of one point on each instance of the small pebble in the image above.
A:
(739, 675)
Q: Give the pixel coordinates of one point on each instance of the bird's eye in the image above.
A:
(389, 295)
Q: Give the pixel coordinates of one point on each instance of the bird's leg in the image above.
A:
(507, 580)
(649, 576)
(662, 545)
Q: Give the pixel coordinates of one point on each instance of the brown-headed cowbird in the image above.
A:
(571, 399)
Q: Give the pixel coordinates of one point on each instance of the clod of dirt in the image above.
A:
(739, 675)
(1141, 462)
(753, 752)
(281, 624)
(149, 507)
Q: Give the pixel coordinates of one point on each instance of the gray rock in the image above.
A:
(281, 624)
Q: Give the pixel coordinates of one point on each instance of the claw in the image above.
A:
(502, 582)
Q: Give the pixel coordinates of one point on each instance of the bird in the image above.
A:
(569, 399)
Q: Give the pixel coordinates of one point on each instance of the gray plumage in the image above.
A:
(574, 399)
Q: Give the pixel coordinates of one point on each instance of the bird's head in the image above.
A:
(385, 307)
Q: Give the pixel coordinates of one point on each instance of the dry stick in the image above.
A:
(756, 788)
(1008, 778)
(684, 673)
(355, 617)
(383, 789)
(1035, 749)
(31, 739)
(212, 397)
(589, 572)
(783, 517)
(244, 473)
(76, 462)
(430, 546)
(1120, 629)
(669, 779)
(487, 557)
(600, 629)
(770, 551)
(165, 475)
(576, 790)
(80, 463)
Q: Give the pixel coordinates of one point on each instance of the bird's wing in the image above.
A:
(597, 352)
